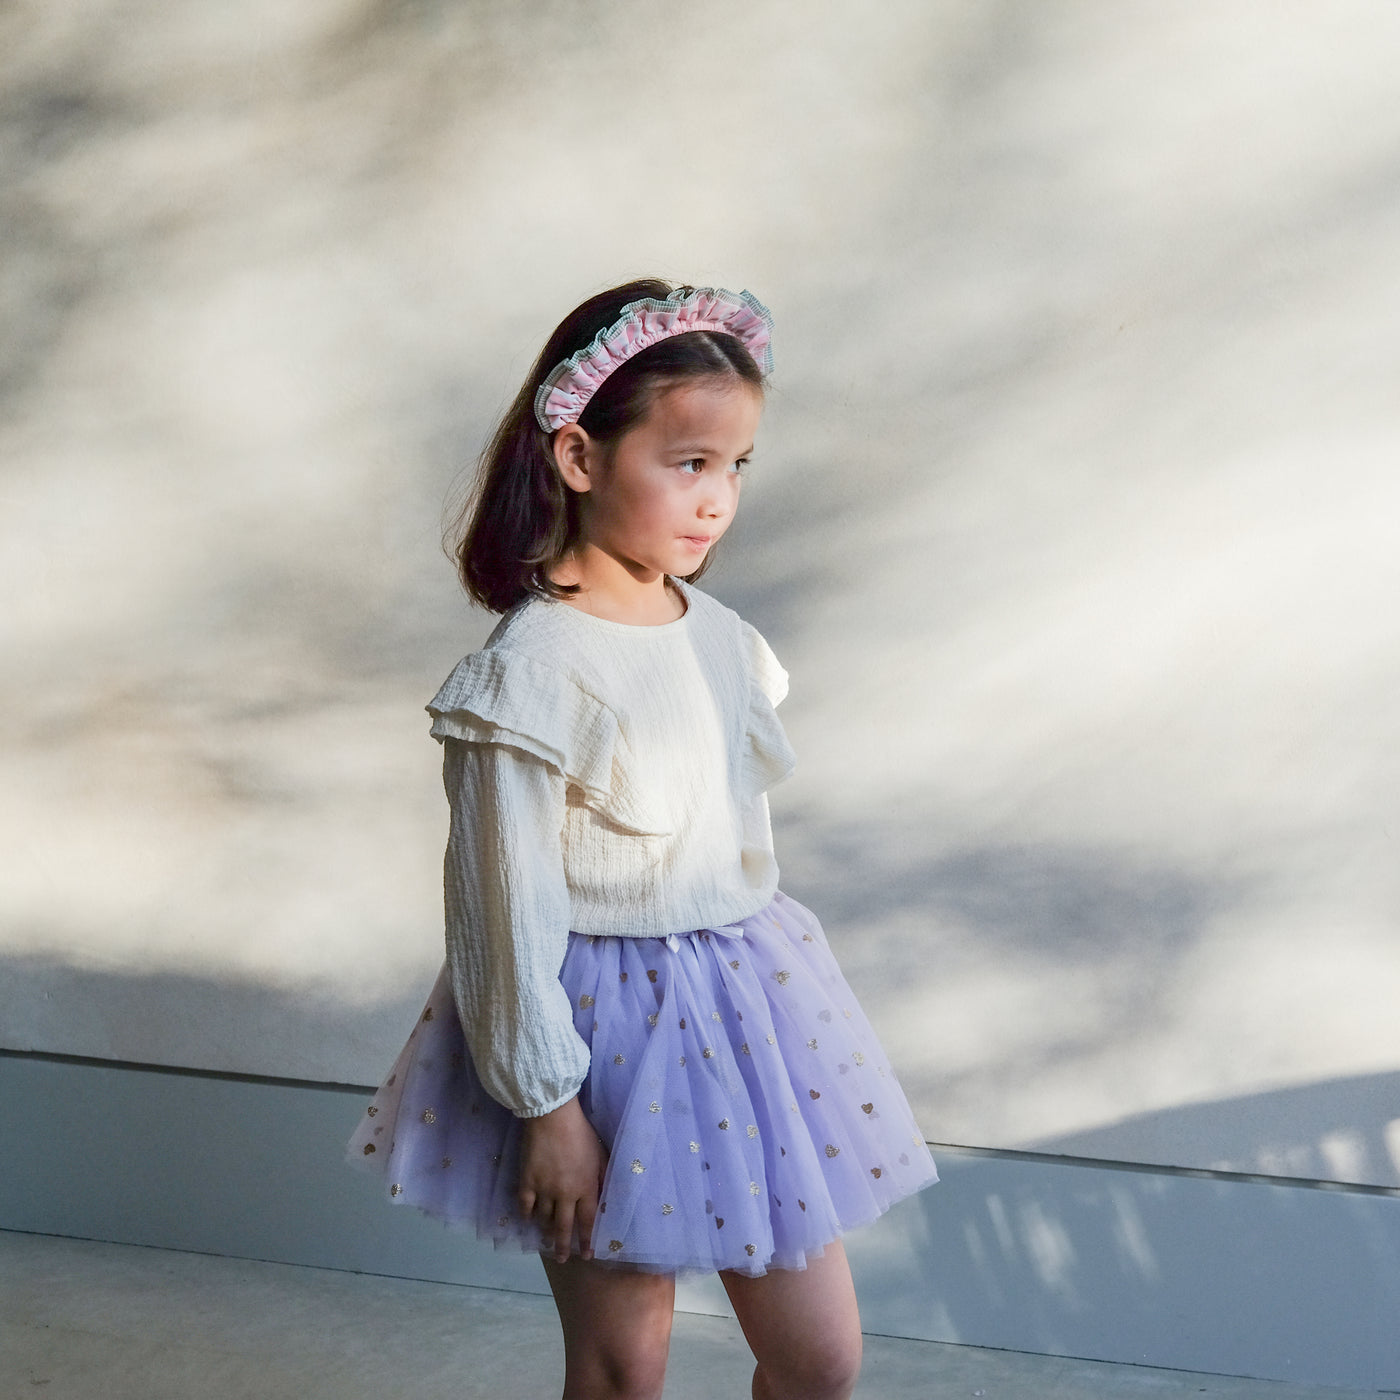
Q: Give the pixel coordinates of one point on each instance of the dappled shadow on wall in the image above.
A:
(1236, 1275)
(1339, 1130)
(213, 1023)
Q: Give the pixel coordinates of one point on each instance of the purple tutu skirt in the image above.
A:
(748, 1110)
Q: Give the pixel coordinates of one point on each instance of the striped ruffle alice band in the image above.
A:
(567, 388)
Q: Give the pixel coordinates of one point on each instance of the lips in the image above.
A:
(698, 541)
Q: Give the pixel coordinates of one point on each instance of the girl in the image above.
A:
(640, 1058)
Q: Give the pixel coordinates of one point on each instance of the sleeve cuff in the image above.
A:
(541, 1110)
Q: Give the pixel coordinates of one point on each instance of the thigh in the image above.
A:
(803, 1325)
(617, 1327)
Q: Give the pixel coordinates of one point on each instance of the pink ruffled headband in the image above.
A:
(571, 383)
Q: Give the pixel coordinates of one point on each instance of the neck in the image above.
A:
(607, 588)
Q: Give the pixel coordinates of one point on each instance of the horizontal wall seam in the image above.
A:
(1165, 1169)
(956, 1148)
(185, 1071)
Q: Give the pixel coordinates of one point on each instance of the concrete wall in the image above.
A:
(1253, 1277)
(1072, 518)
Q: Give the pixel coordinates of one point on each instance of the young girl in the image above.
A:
(640, 1058)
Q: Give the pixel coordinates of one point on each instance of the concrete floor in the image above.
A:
(81, 1320)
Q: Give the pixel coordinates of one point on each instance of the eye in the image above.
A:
(694, 466)
(740, 467)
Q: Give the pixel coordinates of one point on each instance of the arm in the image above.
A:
(507, 926)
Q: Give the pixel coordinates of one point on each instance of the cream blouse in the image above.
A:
(606, 779)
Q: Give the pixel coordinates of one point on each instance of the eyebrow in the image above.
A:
(700, 449)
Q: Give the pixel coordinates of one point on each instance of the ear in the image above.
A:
(573, 455)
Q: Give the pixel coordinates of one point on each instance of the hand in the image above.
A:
(561, 1174)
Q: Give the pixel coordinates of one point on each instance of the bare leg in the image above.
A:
(617, 1329)
(803, 1328)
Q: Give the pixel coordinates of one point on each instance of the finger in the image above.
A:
(587, 1214)
(563, 1230)
(526, 1201)
(546, 1222)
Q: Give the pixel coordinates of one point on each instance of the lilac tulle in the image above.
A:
(749, 1112)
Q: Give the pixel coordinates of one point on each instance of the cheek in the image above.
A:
(660, 501)
(644, 504)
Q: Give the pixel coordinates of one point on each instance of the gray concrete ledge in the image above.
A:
(87, 1321)
(1243, 1278)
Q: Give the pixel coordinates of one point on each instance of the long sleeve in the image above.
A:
(507, 924)
(650, 749)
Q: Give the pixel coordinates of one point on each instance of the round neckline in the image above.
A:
(642, 628)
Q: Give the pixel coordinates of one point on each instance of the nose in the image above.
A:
(718, 501)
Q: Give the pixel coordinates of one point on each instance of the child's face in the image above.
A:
(672, 484)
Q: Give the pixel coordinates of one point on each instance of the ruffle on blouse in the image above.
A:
(768, 757)
(498, 696)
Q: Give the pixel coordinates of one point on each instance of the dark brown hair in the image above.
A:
(520, 519)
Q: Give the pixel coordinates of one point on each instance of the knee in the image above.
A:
(636, 1377)
(832, 1368)
(826, 1370)
(634, 1372)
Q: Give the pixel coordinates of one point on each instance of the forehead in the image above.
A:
(706, 408)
